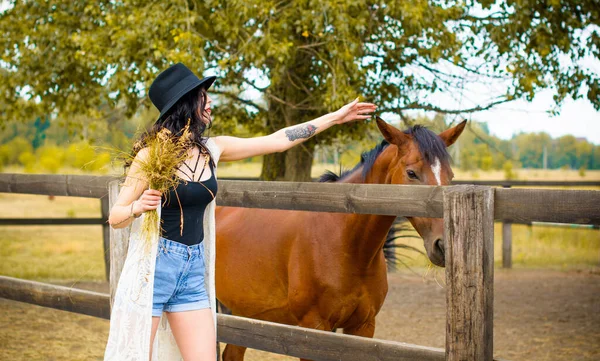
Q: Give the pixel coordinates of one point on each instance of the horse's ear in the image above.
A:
(390, 133)
(449, 136)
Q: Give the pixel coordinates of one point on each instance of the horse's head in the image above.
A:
(419, 156)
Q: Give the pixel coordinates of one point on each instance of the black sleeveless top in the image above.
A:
(193, 197)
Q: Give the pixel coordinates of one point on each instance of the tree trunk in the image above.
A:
(296, 163)
(293, 165)
(273, 167)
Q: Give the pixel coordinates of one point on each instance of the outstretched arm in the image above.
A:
(233, 148)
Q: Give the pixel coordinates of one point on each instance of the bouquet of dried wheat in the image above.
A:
(165, 152)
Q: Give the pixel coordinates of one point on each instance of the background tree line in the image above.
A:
(48, 145)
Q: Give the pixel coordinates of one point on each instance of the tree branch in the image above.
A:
(262, 90)
(429, 107)
(489, 144)
(302, 87)
(279, 100)
(313, 45)
(238, 99)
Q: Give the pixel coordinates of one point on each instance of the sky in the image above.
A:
(577, 118)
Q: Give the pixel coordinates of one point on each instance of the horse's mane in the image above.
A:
(430, 145)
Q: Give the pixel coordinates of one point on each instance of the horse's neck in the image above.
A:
(369, 231)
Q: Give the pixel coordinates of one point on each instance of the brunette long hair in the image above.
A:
(190, 108)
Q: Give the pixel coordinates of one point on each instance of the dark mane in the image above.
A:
(367, 159)
(430, 146)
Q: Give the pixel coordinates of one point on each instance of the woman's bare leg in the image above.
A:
(194, 333)
(155, 321)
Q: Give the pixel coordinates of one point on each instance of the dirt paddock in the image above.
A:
(538, 315)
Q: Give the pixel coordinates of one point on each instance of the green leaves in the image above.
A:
(67, 58)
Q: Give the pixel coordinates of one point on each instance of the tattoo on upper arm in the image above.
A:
(305, 131)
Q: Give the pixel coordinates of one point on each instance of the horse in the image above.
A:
(324, 270)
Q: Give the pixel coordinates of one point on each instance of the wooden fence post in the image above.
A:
(104, 206)
(506, 244)
(119, 243)
(469, 237)
(506, 241)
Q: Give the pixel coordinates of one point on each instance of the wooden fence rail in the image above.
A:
(515, 205)
(493, 183)
(266, 336)
(58, 297)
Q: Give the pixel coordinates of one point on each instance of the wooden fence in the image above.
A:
(18, 183)
(507, 223)
(468, 210)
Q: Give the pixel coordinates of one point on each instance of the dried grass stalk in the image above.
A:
(166, 152)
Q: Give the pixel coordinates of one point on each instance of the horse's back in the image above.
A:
(253, 247)
(280, 265)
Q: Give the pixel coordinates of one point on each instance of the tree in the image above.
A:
(40, 132)
(303, 57)
(531, 148)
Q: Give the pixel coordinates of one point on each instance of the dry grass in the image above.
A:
(530, 175)
(50, 252)
(533, 247)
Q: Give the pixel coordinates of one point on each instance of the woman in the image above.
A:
(176, 279)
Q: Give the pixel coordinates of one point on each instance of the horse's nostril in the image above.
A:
(439, 244)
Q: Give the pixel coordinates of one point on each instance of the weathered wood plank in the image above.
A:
(55, 184)
(58, 297)
(266, 336)
(500, 183)
(316, 345)
(420, 201)
(469, 236)
(105, 210)
(119, 243)
(515, 205)
(261, 335)
(506, 245)
(50, 221)
(543, 205)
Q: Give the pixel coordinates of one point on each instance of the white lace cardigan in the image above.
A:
(131, 314)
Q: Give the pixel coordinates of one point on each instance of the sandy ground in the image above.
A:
(538, 315)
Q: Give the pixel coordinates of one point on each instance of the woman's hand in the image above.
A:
(354, 111)
(149, 200)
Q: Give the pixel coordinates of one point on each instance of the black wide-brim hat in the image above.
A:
(173, 83)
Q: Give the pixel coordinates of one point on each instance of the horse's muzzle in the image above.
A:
(439, 253)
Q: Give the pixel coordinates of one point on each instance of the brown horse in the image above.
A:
(327, 270)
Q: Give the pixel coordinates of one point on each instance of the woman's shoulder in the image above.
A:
(213, 145)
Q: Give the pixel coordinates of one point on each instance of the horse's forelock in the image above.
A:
(431, 146)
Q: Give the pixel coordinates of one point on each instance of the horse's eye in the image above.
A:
(411, 174)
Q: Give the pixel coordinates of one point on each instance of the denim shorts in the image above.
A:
(179, 278)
